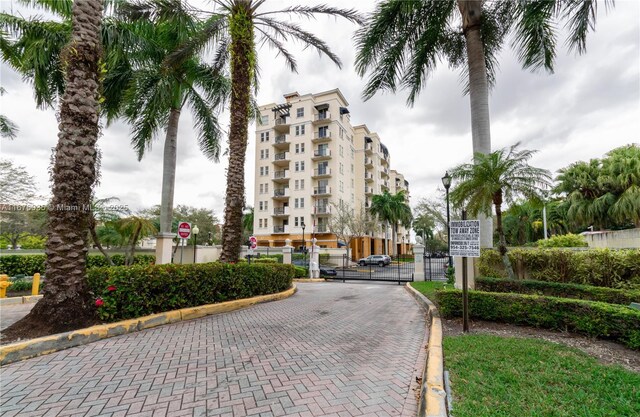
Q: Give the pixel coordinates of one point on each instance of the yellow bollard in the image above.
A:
(4, 283)
(35, 286)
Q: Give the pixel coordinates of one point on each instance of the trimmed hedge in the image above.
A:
(559, 289)
(598, 267)
(134, 291)
(30, 264)
(590, 318)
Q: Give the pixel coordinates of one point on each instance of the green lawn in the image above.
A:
(496, 376)
(428, 288)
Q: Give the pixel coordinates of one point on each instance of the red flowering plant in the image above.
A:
(107, 303)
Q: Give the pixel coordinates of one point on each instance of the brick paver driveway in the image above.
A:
(332, 349)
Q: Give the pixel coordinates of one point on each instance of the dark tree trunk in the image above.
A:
(67, 303)
(96, 240)
(497, 201)
(242, 65)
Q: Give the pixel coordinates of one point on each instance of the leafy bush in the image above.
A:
(590, 318)
(20, 285)
(300, 272)
(559, 289)
(563, 241)
(30, 264)
(599, 267)
(134, 291)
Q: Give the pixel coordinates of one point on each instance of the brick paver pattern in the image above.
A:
(332, 349)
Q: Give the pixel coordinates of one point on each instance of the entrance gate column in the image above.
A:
(418, 259)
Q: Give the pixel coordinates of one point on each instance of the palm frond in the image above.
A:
(310, 12)
(206, 124)
(211, 30)
(8, 129)
(279, 46)
(535, 34)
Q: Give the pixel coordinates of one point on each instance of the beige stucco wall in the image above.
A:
(615, 239)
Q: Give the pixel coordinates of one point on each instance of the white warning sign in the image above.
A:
(465, 238)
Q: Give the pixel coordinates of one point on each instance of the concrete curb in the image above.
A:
(11, 301)
(433, 397)
(309, 280)
(48, 344)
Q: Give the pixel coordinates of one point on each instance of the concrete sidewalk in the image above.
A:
(332, 349)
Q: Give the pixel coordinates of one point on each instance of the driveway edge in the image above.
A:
(24, 299)
(433, 397)
(32, 348)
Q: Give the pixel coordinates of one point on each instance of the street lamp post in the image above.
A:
(195, 241)
(446, 181)
(210, 241)
(304, 244)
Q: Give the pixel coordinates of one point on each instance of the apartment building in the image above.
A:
(308, 158)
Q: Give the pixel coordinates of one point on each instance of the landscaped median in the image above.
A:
(590, 318)
(142, 297)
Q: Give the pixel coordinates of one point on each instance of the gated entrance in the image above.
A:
(435, 267)
(394, 270)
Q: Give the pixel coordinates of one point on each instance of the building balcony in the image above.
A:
(368, 190)
(320, 154)
(279, 230)
(281, 159)
(324, 117)
(384, 160)
(282, 125)
(281, 176)
(323, 210)
(280, 212)
(321, 137)
(368, 177)
(281, 193)
(368, 162)
(368, 148)
(321, 172)
(384, 172)
(281, 142)
(322, 191)
(322, 228)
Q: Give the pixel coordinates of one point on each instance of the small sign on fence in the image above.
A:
(465, 238)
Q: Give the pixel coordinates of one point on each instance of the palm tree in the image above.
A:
(498, 178)
(100, 215)
(8, 129)
(66, 303)
(393, 210)
(239, 27)
(403, 41)
(135, 228)
(151, 94)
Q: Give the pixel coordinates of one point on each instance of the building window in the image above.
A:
(266, 221)
(323, 131)
(299, 166)
(300, 112)
(261, 189)
(302, 202)
(261, 171)
(302, 184)
(264, 137)
(264, 119)
(296, 183)
(295, 221)
(299, 130)
(300, 148)
(260, 223)
(341, 151)
(266, 188)
(261, 207)
(341, 168)
(266, 170)
(295, 203)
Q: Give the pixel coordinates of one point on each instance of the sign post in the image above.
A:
(184, 232)
(465, 242)
(253, 244)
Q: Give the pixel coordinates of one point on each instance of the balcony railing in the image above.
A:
(278, 229)
(280, 210)
(282, 156)
(281, 192)
(321, 152)
(281, 121)
(280, 174)
(322, 190)
(321, 172)
(322, 228)
(322, 135)
(281, 139)
(322, 116)
(368, 190)
(323, 209)
(368, 176)
(368, 161)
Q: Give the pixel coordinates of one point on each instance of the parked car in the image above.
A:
(325, 270)
(380, 260)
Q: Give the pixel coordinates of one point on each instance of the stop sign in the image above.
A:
(184, 230)
(254, 242)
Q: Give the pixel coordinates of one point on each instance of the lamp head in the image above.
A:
(195, 230)
(446, 180)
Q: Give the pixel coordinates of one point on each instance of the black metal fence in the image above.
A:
(435, 267)
(391, 270)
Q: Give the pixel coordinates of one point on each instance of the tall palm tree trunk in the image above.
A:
(471, 11)
(394, 244)
(242, 67)
(132, 245)
(66, 303)
(497, 201)
(169, 171)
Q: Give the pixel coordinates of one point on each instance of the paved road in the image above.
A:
(332, 349)
(12, 313)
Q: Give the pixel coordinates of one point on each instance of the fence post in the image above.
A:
(286, 252)
(418, 254)
(35, 284)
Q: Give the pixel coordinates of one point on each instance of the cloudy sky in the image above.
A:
(591, 104)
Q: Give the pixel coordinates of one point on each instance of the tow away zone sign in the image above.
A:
(465, 238)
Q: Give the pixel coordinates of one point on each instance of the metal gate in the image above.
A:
(435, 267)
(398, 270)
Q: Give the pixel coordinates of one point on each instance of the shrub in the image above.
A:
(134, 291)
(300, 272)
(563, 241)
(30, 264)
(599, 267)
(559, 289)
(20, 285)
(590, 318)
